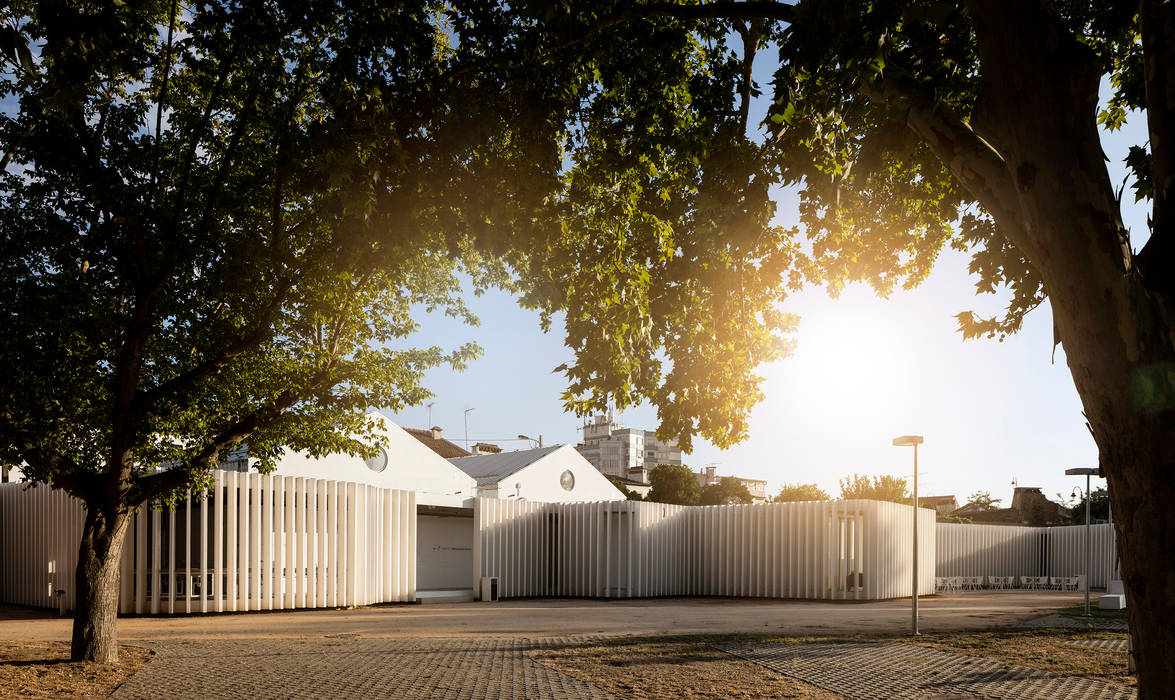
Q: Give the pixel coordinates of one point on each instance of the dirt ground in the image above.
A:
(43, 670)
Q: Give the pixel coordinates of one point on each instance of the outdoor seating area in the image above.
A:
(948, 584)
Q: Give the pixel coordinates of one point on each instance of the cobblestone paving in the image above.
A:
(868, 671)
(348, 666)
(1108, 644)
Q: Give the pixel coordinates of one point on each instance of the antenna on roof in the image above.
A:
(467, 428)
(430, 405)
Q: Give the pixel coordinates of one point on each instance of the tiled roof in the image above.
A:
(441, 446)
(490, 469)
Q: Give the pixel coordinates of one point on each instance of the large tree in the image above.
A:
(674, 483)
(727, 491)
(904, 127)
(216, 221)
(790, 493)
(880, 488)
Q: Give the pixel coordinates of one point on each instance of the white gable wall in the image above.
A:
(411, 467)
(539, 481)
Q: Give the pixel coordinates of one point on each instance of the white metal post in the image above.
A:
(914, 610)
(1087, 544)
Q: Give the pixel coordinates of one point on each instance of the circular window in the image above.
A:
(567, 480)
(379, 462)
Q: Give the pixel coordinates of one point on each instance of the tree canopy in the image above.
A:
(674, 483)
(727, 491)
(983, 501)
(800, 492)
(879, 488)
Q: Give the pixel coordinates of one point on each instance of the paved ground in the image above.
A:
(476, 650)
(878, 671)
(546, 617)
(354, 667)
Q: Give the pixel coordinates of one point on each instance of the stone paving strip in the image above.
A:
(1122, 645)
(877, 671)
(350, 666)
(1074, 623)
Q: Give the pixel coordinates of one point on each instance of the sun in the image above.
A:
(850, 363)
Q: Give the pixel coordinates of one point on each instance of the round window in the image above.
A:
(567, 480)
(379, 462)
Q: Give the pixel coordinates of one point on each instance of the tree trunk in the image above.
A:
(95, 620)
(1140, 469)
(1038, 106)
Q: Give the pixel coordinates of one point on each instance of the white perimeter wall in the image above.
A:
(40, 529)
(444, 552)
(1011, 550)
(631, 549)
(256, 543)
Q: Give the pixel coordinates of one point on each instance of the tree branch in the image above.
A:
(978, 166)
(151, 486)
(1156, 260)
(750, 34)
(179, 387)
(159, 100)
(754, 10)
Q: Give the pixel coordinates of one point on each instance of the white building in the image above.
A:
(404, 463)
(551, 474)
(756, 487)
(627, 453)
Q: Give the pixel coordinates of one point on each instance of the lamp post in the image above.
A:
(539, 442)
(1086, 472)
(913, 441)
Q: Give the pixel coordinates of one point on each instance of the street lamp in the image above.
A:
(1086, 472)
(539, 442)
(913, 441)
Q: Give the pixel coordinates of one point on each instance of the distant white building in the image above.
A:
(550, 474)
(626, 453)
(757, 487)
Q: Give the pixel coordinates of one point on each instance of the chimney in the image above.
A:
(710, 472)
(486, 448)
(436, 432)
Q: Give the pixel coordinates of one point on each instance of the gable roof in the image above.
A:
(490, 469)
(441, 446)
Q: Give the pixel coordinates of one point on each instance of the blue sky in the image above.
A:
(866, 370)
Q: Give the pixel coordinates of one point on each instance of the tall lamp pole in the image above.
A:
(913, 441)
(1086, 472)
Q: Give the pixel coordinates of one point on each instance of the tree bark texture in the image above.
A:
(95, 620)
(1037, 107)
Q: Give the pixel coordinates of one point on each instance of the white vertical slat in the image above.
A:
(321, 524)
(242, 535)
(254, 500)
(218, 543)
(170, 560)
(188, 588)
(156, 556)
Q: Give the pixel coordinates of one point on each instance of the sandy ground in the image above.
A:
(548, 617)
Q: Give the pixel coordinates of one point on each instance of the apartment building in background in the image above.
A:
(625, 453)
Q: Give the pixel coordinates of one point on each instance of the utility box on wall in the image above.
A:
(489, 589)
